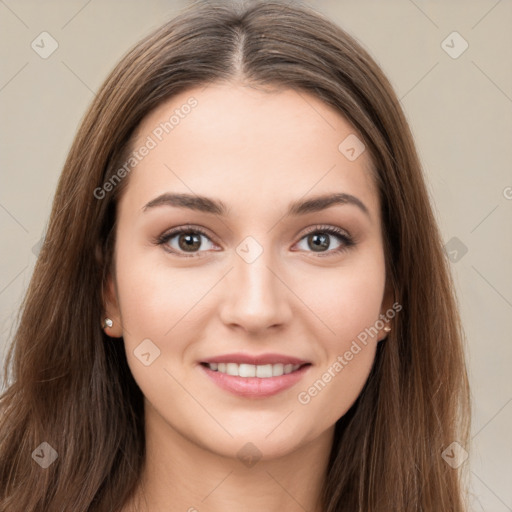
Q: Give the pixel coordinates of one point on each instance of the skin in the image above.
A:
(256, 151)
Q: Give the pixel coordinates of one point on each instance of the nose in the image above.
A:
(256, 297)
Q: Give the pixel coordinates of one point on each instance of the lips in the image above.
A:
(258, 376)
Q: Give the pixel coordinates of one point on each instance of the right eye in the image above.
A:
(184, 240)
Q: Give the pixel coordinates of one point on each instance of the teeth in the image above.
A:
(263, 371)
(246, 370)
(232, 369)
(277, 370)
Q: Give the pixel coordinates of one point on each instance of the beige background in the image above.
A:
(460, 110)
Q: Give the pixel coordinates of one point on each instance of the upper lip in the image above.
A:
(260, 359)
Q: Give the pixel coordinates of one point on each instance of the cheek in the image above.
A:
(349, 305)
(157, 304)
(158, 311)
(156, 299)
(333, 389)
(345, 300)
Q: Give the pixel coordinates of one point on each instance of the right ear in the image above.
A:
(111, 309)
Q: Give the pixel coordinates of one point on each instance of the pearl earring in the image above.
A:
(387, 328)
(107, 323)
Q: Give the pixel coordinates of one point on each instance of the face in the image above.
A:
(249, 309)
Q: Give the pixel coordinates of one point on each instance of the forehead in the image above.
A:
(246, 146)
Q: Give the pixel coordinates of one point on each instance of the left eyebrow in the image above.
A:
(319, 203)
(217, 207)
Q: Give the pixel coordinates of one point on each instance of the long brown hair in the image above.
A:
(67, 383)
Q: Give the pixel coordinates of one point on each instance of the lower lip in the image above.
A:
(255, 387)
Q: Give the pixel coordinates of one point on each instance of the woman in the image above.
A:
(242, 299)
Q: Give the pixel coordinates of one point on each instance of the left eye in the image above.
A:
(318, 239)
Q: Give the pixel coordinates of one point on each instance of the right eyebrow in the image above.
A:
(190, 201)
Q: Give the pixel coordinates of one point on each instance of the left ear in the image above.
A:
(387, 304)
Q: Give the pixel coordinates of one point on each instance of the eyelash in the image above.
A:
(346, 240)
